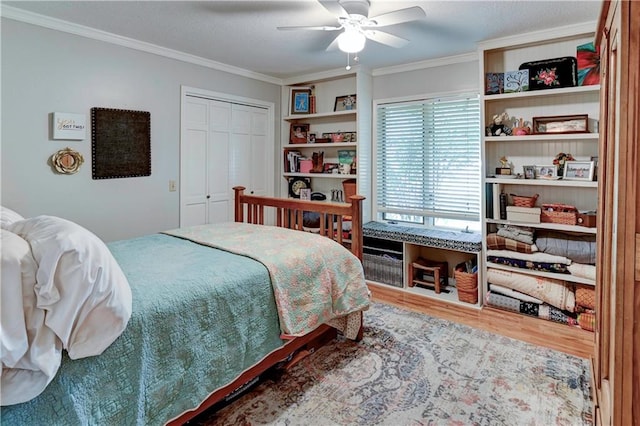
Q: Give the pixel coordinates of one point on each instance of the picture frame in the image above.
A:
(312, 138)
(300, 101)
(298, 133)
(345, 103)
(120, 143)
(579, 170)
(559, 124)
(305, 194)
(547, 171)
(529, 172)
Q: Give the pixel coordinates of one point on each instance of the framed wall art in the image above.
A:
(579, 170)
(300, 101)
(547, 171)
(561, 124)
(345, 103)
(299, 133)
(120, 143)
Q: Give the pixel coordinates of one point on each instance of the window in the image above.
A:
(428, 161)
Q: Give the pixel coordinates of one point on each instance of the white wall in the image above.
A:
(45, 71)
(461, 76)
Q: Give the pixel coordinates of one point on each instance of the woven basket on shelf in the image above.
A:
(467, 286)
(559, 213)
(521, 201)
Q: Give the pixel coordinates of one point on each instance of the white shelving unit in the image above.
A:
(537, 149)
(327, 87)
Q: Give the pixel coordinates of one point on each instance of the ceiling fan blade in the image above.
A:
(385, 38)
(399, 16)
(320, 28)
(334, 8)
(333, 46)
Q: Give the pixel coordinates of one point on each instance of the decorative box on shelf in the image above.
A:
(587, 219)
(523, 214)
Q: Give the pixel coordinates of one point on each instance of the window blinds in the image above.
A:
(428, 158)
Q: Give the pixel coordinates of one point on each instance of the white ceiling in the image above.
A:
(243, 33)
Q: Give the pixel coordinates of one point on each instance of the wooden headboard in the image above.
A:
(289, 214)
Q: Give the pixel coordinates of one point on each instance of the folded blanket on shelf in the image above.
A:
(517, 233)
(578, 248)
(497, 242)
(552, 291)
(557, 268)
(495, 288)
(586, 296)
(587, 321)
(583, 271)
(543, 311)
(533, 257)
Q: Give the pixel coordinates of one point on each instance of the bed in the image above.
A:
(211, 309)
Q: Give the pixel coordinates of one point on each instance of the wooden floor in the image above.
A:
(571, 340)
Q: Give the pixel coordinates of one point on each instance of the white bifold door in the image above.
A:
(223, 144)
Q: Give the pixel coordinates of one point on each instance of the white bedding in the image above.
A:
(66, 292)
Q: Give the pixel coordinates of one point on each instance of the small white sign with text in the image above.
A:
(69, 126)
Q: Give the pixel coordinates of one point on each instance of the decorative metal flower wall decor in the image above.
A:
(67, 161)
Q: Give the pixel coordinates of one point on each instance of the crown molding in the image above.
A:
(586, 29)
(21, 15)
(430, 63)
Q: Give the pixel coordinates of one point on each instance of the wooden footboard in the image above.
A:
(289, 214)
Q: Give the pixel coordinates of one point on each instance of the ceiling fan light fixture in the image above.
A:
(351, 41)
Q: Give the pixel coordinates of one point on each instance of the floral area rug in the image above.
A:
(413, 369)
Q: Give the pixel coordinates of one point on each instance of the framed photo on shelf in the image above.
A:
(560, 124)
(345, 103)
(305, 194)
(299, 133)
(300, 101)
(312, 138)
(579, 170)
(547, 171)
(529, 172)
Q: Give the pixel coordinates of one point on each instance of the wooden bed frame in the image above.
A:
(288, 214)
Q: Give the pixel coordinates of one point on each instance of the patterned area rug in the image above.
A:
(413, 369)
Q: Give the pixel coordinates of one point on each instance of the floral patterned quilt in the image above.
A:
(315, 279)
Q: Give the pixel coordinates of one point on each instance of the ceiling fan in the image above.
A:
(357, 27)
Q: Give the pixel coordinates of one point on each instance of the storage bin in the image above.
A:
(522, 201)
(467, 286)
(383, 269)
(523, 214)
(559, 213)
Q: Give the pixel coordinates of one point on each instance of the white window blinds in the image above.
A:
(428, 158)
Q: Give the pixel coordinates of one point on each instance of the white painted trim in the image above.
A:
(586, 29)
(430, 63)
(80, 30)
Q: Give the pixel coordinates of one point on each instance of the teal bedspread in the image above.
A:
(193, 329)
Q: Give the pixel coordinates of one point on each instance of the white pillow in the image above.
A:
(8, 216)
(79, 284)
(31, 352)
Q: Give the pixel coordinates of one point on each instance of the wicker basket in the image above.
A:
(559, 213)
(467, 286)
(521, 201)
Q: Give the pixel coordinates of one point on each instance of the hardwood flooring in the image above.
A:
(571, 340)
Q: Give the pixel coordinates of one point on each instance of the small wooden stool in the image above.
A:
(439, 270)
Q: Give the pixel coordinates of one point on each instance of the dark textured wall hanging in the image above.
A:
(120, 143)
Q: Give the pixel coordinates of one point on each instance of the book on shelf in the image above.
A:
(292, 160)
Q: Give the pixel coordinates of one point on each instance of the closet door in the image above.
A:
(223, 144)
(194, 161)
